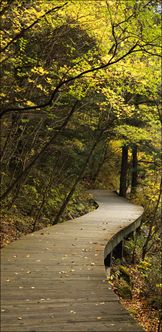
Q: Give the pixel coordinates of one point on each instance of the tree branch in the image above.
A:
(151, 53)
(21, 33)
(71, 79)
(30, 165)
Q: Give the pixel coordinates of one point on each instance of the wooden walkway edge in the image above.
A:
(54, 280)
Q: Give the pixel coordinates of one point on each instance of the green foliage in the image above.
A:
(124, 290)
(121, 279)
(124, 273)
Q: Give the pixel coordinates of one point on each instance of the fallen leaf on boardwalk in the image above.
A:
(27, 256)
(16, 272)
(99, 318)
(92, 264)
(19, 318)
(72, 312)
(41, 300)
(32, 287)
(3, 310)
(20, 287)
(62, 272)
(8, 280)
(64, 257)
(28, 272)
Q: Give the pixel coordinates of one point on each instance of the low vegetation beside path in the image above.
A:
(15, 224)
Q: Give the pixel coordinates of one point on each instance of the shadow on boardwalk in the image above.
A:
(54, 279)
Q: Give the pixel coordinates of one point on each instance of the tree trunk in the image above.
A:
(145, 248)
(123, 173)
(68, 197)
(100, 164)
(134, 169)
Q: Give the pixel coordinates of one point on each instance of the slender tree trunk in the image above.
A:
(152, 223)
(68, 197)
(40, 207)
(100, 164)
(123, 173)
(134, 169)
(8, 138)
(45, 195)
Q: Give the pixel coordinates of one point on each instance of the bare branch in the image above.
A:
(43, 149)
(151, 53)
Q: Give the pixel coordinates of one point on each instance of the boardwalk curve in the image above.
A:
(54, 280)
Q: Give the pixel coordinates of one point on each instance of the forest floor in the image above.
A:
(138, 304)
(15, 224)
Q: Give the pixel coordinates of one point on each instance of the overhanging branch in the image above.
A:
(69, 80)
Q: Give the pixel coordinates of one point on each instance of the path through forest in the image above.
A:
(54, 280)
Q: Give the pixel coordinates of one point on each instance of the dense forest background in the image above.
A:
(80, 108)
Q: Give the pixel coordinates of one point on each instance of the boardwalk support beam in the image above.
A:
(118, 251)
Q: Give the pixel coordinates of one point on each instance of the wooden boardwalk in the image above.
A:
(54, 280)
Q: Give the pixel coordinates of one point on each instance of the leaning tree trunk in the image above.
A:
(78, 179)
(100, 164)
(123, 173)
(134, 169)
(146, 248)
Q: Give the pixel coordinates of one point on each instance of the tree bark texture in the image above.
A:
(123, 173)
(134, 169)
